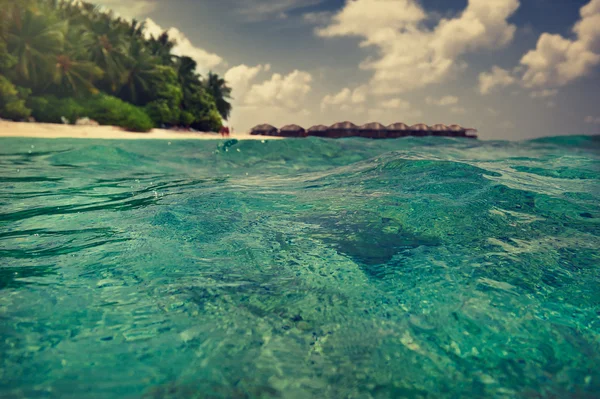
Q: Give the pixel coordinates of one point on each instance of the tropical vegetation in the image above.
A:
(63, 60)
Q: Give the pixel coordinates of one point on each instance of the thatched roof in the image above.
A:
(419, 126)
(398, 126)
(440, 127)
(456, 128)
(318, 128)
(373, 126)
(343, 126)
(265, 127)
(292, 128)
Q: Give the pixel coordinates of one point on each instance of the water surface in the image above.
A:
(410, 268)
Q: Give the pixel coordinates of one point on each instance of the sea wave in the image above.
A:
(299, 268)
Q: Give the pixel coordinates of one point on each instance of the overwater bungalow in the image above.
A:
(440, 130)
(373, 130)
(420, 129)
(292, 131)
(318, 131)
(398, 129)
(264, 130)
(343, 129)
(457, 130)
(471, 133)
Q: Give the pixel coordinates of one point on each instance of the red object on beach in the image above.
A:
(224, 131)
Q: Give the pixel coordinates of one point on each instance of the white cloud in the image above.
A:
(240, 77)
(412, 56)
(592, 120)
(396, 103)
(261, 10)
(152, 28)
(544, 93)
(482, 25)
(336, 99)
(498, 77)
(184, 46)
(280, 91)
(345, 98)
(458, 110)
(376, 114)
(557, 61)
(393, 115)
(279, 100)
(393, 110)
(444, 101)
(130, 8)
(359, 95)
(350, 104)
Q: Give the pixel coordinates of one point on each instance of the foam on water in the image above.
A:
(412, 268)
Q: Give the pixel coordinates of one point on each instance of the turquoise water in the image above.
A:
(410, 268)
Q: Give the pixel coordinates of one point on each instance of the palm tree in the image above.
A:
(107, 46)
(218, 88)
(7, 10)
(140, 73)
(74, 74)
(75, 77)
(35, 40)
(78, 14)
(74, 48)
(162, 48)
(136, 29)
(186, 71)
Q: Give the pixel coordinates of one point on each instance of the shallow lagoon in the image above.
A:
(411, 268)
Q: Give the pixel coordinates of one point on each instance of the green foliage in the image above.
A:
(202, 106)
(162, 112)
(108, 110)
(166, 86)
(35, 40)
(6, 60)
(166, 98)
(186, 118)
(162, 48)
(72, 77)
(107, 45)
(210, 122)
(51, 109)
(141, 73)
(62, 50)
(197, 101)
(12, 102)
(218, 88)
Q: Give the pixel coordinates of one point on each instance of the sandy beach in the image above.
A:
(56, 131)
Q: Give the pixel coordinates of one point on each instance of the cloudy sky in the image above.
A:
(513, 69)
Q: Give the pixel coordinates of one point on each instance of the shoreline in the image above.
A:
(58, 131)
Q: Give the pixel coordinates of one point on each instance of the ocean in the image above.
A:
(308, 268)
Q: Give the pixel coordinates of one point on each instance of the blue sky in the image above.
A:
(513, 69)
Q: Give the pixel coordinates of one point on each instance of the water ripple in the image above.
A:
(299, 268)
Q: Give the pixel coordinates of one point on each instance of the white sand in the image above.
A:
(55, 131)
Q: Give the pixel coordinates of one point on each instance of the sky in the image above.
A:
(513, 69)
